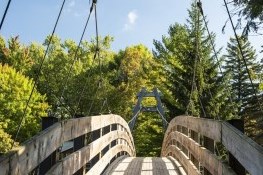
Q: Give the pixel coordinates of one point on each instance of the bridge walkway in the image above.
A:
(145, 166)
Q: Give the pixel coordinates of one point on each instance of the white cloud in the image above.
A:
(70, 6)
(132, 16)
(131, 20)
(71, 9)
(71, 3)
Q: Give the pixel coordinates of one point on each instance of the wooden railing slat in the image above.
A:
(76, 160)
(204, 156)
(183, 159)
(246, 151)
(29, 156)
(105, 160)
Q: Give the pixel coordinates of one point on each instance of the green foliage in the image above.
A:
(241, 87)
(148, 135)
(132, 69)
(186, 53)
(251, 12)
(250, 9)
(6, 140)
(66, 72)
(15, 89)
(16, 55)
(93, 85)
(235, 66)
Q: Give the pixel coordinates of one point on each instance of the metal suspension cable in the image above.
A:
(164, 121)
(97, 39)
(84, 88)
(96, 54)
(76, 52)
(70, 110)
(102, 106)
(4, 15)
(198, 56)
(95, 94)
(199, 5)
(105, 100)
(217, 59)
(131, 122)
(100, 62)
(38, 73)
(243, 57)
(202, 106)
(105, 103)
(210, 38)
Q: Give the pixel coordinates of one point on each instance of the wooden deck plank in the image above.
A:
(145, 166)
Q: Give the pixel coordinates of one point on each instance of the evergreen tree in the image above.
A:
(251, 12)
(242, 89)
(186, 55)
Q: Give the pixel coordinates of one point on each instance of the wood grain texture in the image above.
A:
(204, 156)
(207, 127)
(105, 160)
(245, 150)
(78, 159)
(25, 158)
(189, 167)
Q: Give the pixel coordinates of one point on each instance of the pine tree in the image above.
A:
(191, 70)
(242, 89)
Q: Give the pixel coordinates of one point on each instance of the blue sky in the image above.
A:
(128, 21)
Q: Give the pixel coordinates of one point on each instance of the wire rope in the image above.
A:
(38, 73)
(4, 15)
(243, 57)
(77, 50)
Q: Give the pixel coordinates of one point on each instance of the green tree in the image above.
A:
(241, 87)
(15, 89)
(16, 55)
(186, 53)
(130, 71)
(6, 139)
(148, 135)
(235, 66)
(251, 12)
(61, 74)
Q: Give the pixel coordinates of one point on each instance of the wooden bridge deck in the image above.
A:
(145, 166)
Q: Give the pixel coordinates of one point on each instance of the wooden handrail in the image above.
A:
(104, 161)
(204, 156)
(245, 150)
(78, 159)
(27, 157)
(183, 159)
